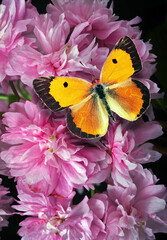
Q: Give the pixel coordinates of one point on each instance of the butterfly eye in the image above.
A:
(114, 60)
(65, 84)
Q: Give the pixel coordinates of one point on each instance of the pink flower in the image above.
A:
(35, 197)
(53, 217)
(5, 209)
(93, 17)
(135, 212)
(43, 148)
(54, 55)
(98, 205)
(127, 145)
(16, 21)
(87, 16)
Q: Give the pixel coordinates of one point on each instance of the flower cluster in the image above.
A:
(49, 164)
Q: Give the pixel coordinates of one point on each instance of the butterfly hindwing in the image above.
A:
(129, 99)
(88, 119)
(61, 92)
(122, 62)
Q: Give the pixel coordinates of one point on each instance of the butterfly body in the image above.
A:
(91, 104)
(99, 90)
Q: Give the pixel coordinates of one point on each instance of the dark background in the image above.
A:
(154, 27)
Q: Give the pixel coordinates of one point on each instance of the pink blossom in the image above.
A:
(98, 205)
(16, 22)
(43, 148)
(52, 55)
(5, 209)
(53, 217)
(87, 16)
(135, 212)
(93, 17)
(35, 197)
(128, 146)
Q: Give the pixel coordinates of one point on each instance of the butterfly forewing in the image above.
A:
(121, 63)
(61, 92)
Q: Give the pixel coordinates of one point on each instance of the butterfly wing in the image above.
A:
(122, 62)
(89, 118)
(60, 92)
(129, 99)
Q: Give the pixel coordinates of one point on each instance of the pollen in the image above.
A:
(52, 137)
(68, 46)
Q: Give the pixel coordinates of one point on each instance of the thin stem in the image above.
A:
(92, 192)
(23, 91)
(14, 89)
(4, 97)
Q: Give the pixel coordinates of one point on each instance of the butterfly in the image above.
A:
(91, 104)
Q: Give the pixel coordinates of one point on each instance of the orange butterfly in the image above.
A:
(91, 103)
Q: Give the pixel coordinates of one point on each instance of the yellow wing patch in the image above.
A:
(121, 63)
(68, 90)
